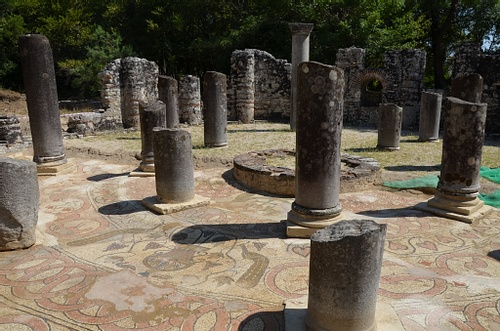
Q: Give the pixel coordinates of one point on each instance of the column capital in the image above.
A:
(301, 28)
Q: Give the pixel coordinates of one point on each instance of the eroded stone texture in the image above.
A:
(467, 87)
(215, 109)
(390, 118)
(41, 94)
(152, 116)
(344, 274)
(174, 170)
(19, 197)
(190, 100)
(259, 86)
(319, 129)
(300, 53)
(10, 130)
(168, 92)
(463, 138)
(430, 116)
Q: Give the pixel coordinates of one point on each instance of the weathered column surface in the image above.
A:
(390, 119)
(19, 198)
(467, 87)
(151, 116)
(344, 274)
(10, 130)
(300, 53)
(174, 170)
(168, 92)
(215, 109)
(319, 129)
(243, 70)
(190, 100)
(41, 94)
(430, 116)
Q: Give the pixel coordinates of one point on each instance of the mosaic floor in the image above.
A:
(104, 262)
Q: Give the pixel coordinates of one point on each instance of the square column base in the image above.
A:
(469, 215)
(294, 230)
(153, 204)
(54, 170)
(141, 173)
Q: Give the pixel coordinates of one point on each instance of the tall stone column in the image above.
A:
(151, 116)
(168, 92)
(244, 67)
(317, 159)
(41, 94)
(190, 100)
(430, 116)
(344, 275)
(215, 109)
(464, 123)
(390, 120)
(19, 198)
(300, 53)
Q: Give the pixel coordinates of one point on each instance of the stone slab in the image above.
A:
(139, 173)
(61, 169)
(456, 207)
(169, 208)
(295, 311)
(485, 210)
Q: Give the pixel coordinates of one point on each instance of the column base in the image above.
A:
(60, 167)
(389, 148)
(304, 224)
(142, 173)
(221, 145)
(153, 204)
(461, 209)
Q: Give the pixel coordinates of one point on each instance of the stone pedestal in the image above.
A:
(41, 94)
(300, 53)
(174, 172)
(459, 182)
(344, 274)
(151, 116)
(19, 198)
(430, 116)
(168, 93)
(390, 119)
(215, 109)
(317, 159)
(190, 100)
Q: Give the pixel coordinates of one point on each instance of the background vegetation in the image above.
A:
(193, 36)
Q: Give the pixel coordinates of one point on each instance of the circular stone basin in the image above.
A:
(271, 171)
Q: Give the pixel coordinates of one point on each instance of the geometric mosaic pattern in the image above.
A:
(104, 262)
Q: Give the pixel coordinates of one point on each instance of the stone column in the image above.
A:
(151, 116)
(244, 68)
(344, 274)
(430, 116)
(173, 165)
(467, 87)
(189, 100)
(300, 53)
(215, 109)
(390, 119)
(19, 198)
(317, 159)
(41, 94)
(168, 93)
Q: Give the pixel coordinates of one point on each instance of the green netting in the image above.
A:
(426, 181)
(492, 174)
(492, 199)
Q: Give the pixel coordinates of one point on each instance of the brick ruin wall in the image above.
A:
(470, 58)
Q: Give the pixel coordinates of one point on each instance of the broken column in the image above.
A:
(344, 274)
(41, 94)
(151, 116)
(174, 172)
(390, 119)
(317, 158)
(300, 53)
(189, 100)
(463, 137)
(19, 198)
(168, 93)
(430, 116)
(215, 109)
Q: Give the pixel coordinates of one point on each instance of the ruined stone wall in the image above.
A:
(470, 59)
(401, 77)
(259, 84)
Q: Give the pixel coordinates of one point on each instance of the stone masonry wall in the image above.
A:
(470, 59)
